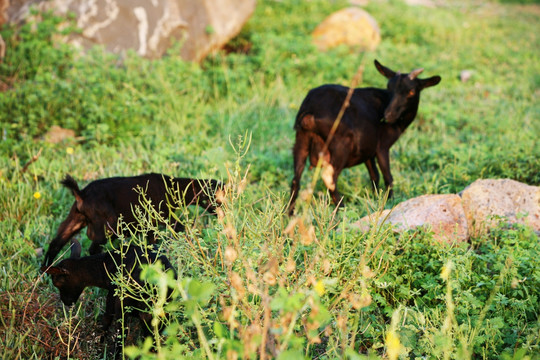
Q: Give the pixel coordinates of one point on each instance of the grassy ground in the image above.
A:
(323, 290)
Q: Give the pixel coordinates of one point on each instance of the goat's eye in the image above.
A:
(411, 93)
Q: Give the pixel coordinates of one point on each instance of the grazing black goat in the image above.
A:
(361, 136)
(99, 205)
(72, 275)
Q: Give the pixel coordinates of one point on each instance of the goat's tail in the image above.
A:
(71, 184)
(298, 120)
(304, 121)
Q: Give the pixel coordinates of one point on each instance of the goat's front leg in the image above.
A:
(74, 222)
(383, 157)
(113, 310)
(373, 173)
(109, 315)
(179, 227)
(146, 324)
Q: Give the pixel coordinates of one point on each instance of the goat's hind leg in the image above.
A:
(74, 222)
(300, 154)
(333, 168)
(330, 174)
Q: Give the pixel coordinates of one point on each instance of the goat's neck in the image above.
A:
(382, 99)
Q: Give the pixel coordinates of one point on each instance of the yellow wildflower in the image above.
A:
(70, 151)
(319, 288)
(393, 346)
(445, 271)
(37, 195)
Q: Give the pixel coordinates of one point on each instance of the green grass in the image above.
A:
(325, 291)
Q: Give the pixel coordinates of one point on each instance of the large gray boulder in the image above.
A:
(455, 218)
(149, 26)
(487, 202)
(4, 4)
(442, 214)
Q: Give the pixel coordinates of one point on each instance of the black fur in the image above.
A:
(99, 205)
(362, 136)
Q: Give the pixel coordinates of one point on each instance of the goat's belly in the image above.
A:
(359, 157)
(355, 162)
(314, 157)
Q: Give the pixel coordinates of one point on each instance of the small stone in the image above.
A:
(57, 134)
(426, 3)
(465, 75)
(359, 2)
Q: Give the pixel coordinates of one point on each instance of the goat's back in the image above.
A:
(121, 193)
(196, 191)
(366, 107)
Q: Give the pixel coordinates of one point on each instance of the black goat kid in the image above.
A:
(100, 204)
(361, 136)
(71, 276)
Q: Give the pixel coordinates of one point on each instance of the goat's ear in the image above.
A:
(432, 81)
(55, 270)
(386, 72)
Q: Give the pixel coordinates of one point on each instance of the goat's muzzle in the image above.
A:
(68, 301)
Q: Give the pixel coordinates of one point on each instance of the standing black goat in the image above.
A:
(361, 136)
(99, 205)
(72, 275)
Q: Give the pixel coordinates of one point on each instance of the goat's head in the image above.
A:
(65, 278)
(405, 90)
(205, 194)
